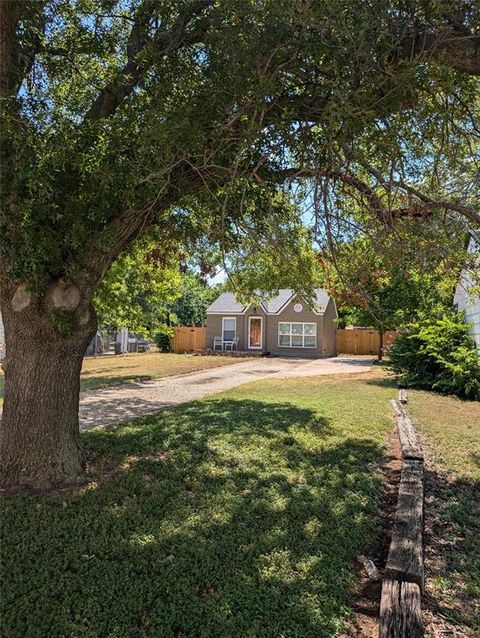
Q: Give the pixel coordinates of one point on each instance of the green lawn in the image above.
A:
(451, 429)
(235, 516)
(100, 372)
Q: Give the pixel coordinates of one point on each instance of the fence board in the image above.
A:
(186, 339)
(362, 340)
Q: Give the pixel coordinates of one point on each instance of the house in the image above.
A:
(284, 325)
(464, 299)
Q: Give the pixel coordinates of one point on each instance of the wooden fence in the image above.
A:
(362, 340)
(186, 339)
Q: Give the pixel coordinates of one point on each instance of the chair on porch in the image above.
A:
(217, 341)
(232, 345)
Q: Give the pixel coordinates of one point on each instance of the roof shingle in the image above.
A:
(227, 303)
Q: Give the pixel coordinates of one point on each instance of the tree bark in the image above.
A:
(380, 347)
(39, 431)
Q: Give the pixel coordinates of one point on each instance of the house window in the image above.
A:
(229, 328)
(297, 335)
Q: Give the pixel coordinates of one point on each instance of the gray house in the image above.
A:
(284, 325)
(464, 298)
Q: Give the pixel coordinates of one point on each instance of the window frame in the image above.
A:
(290, 334)
(223, 328)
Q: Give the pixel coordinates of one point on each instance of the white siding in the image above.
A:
(468, 302)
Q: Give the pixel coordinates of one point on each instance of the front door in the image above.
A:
(255, 329)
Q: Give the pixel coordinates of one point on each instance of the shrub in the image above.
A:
(162, 339)
(437, 353)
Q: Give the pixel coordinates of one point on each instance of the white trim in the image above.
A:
(304, 347)
(294, 294)
(223, 329)
(230, 312)
(269, 314)
(261, 332)
(319, 311)
(306, 308)
(335, 308)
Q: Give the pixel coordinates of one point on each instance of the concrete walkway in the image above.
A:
(123, 403)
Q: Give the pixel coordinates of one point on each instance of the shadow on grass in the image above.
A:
(383, 382)
(228, 518)
(95, 383)
(452, 515)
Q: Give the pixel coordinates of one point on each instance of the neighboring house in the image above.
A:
(283, 325)
(466, 300)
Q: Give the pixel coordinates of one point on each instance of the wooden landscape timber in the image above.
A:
(408, 437)
(400, 610)
(405, 557)
(403, 584)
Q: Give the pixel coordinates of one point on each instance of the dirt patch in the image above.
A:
(263, 371)
(203, 381)
(366, 593)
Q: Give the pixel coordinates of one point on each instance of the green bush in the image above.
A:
(437, 353)
(162, 339)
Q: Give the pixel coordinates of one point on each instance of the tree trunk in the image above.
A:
(380, 347)
(39, 433)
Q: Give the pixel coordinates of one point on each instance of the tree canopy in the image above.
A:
(119, 115)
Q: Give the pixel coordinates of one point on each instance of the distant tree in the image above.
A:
(189, 308)
(139, 288)
(387, 288)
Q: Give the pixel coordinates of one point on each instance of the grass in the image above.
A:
(106, 371)
(451, 429)
(238, 515)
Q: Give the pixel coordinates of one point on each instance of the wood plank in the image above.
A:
(187, 338)
(400, 610)
(411, 448)
(405, 557)
(361, 340)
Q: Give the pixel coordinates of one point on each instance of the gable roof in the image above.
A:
(227, 303)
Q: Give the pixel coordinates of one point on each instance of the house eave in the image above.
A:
(268, 314)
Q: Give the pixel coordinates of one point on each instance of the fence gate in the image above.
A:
(186, 339)
(362, 340)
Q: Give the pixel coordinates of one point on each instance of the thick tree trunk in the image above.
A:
(39, 433)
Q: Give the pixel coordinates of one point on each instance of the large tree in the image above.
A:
(189, 115)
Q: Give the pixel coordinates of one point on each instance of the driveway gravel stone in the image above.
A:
(122, 403)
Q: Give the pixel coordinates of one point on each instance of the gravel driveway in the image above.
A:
(123, 403)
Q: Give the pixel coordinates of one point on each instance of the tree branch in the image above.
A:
(425, 209)
(458, 207)
(17, 55)
(462, 51)
(162, 42)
